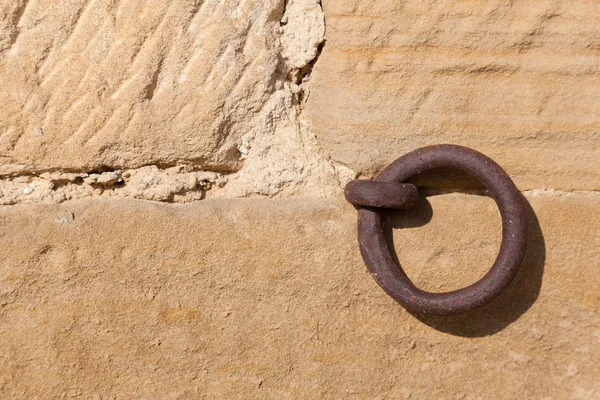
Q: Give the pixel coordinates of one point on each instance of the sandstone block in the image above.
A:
(270, 299)
(91, 84)
(519, 81)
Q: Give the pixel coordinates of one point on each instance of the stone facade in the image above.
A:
(171, 215)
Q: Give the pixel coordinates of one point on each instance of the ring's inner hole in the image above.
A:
(451, 240)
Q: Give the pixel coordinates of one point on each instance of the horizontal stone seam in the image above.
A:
(183, 183)
(199, 192)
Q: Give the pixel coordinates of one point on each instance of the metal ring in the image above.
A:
(391, 277)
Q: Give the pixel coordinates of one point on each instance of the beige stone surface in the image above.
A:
(517, 80)
(103, 83)
(270, 299)
(95, 86)
(111, 107)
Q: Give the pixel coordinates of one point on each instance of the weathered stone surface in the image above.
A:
(97, 83)
(93, 86)
(164, 100)
(270, 299)
(518, 80)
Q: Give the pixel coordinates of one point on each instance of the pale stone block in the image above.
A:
(86, 84)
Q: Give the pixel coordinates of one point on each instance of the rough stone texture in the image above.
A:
(129, 83)
(517, 80)
(175, 184)
(270, 299)
(95, 86)
(299, 51)
(185, 100)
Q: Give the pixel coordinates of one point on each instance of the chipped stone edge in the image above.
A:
(281, 157)
(179, 184)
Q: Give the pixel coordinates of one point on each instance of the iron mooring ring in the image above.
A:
(390, 190)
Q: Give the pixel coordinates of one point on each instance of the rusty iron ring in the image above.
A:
(389, 190)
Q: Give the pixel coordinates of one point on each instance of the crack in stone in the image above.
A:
(179, 184)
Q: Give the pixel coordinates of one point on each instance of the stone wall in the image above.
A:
(172, 222)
